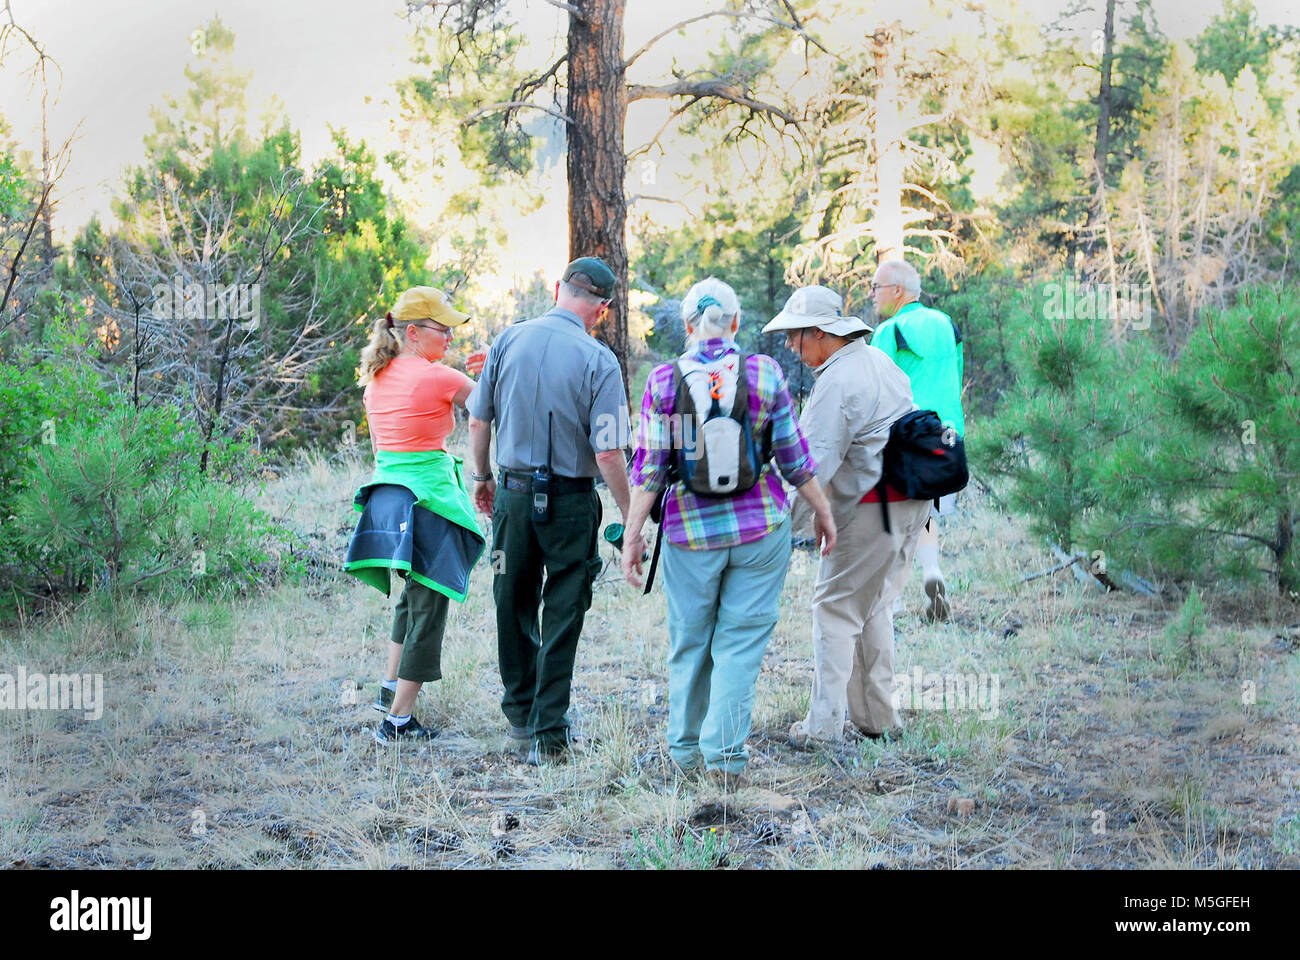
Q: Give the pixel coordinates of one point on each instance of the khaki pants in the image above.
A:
(853, 623)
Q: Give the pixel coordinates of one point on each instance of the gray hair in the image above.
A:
(715, 319)
(902, 273)
(586, 296)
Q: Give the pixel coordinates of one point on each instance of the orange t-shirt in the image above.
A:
(408, 404)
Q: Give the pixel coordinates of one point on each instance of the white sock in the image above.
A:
(389, 685)
(399, 721)
(928, 555)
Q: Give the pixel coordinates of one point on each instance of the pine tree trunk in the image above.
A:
(1101, 146)
(598, 108)
(1281, 550)
(1101, 149)
(887, 226)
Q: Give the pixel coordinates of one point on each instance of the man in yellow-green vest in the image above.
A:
(927, 345)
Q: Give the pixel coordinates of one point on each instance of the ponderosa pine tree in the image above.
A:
(591, 101)
(1047, 448)
(1211, 489)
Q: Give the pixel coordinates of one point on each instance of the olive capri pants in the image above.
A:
(418, 625)
(722, 608)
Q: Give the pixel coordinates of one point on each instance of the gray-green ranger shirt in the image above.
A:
(550, 364)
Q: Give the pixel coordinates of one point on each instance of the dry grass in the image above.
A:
(228, 739)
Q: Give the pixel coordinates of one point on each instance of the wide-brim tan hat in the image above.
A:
(819, 307)
(427, 303)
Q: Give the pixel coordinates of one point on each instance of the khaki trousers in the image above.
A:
(853, 623)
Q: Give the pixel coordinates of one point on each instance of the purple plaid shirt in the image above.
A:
(705, 523)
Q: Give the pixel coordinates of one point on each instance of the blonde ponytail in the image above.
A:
(382, 348)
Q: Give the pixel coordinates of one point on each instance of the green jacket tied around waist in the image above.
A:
(430, 533)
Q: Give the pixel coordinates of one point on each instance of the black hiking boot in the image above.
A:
(411, 730)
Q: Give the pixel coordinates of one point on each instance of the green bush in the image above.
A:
(1209, 490)
(41, 387)
(1186, 469)
(1076, 394)
(116, 503)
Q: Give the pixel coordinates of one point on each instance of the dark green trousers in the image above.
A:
(537, 657)
(418, 625)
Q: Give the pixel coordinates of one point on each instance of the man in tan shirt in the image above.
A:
(858, 395)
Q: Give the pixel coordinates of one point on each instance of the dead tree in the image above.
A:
(199, 291)
(870, 163)
(22, 262)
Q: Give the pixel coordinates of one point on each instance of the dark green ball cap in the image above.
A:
(591, 274)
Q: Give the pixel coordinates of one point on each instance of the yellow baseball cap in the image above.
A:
(426, 303)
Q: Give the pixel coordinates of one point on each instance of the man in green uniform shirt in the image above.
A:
(927, 345)
(556, 396)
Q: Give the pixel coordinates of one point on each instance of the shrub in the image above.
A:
(116, 503)
(40, 388)
(1189, 469)
(1211, 491)
(1076, 395)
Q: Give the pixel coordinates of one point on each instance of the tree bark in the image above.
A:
(47, 213)
(1281, 548)
(888, 136)
(1101, 149)
(597, 106)
(1101, 146)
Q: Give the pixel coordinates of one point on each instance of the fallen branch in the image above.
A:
(1050, 570)
(1079, 574)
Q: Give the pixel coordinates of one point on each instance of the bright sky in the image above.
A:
(329, 61)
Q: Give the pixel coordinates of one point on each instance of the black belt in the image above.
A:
(523, 482)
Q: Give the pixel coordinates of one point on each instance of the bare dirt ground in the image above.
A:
(239, 734)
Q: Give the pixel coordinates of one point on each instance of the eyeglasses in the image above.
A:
(443, 330)
(879, 286)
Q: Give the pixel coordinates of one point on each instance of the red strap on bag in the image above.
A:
(891, 495)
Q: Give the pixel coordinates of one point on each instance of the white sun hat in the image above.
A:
(816, 307)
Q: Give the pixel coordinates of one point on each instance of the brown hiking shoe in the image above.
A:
(938, 610)
(727, 782)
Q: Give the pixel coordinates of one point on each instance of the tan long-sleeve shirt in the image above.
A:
(858, 395)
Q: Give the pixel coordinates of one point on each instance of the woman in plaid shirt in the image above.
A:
(725, 558)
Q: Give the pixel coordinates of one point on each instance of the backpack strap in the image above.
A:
(675, 474)
(659, 540)
(762, 445)
(740, 405)
(884, 503)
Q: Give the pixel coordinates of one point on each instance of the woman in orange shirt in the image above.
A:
(416, 516)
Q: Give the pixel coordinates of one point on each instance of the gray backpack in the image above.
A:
(715, 452)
